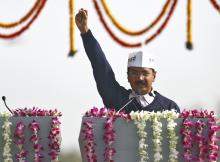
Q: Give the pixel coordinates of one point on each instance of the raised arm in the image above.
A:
(111, 92)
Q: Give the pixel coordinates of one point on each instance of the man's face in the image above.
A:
(141, 79)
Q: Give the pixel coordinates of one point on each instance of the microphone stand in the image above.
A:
(4, 99)
(129, 101)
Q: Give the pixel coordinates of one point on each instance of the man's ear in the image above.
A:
(128, 78)
(154, 75)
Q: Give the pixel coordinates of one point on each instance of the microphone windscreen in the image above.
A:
(3, 98)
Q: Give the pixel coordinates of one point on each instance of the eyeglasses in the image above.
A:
(134, 73)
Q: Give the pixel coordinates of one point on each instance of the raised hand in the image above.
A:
(81, 20)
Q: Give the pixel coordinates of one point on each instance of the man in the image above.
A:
(141, 74)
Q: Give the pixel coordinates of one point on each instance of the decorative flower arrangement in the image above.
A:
(89, 141)
(28, 18)
(140, 119)
(172, 137)
(187, 139)
(213, 140)
(172, 7)
(54, 137)
(109, 136)
(6, 128)
(131, 32)
(200, 140)
(36, 112)
(215, 4)
(71, 28)
(95, 112)
(19, 141)
(157, 138)
(35, 127)
(104, 112)
(109, 133)
(196, 114)
(19, 136)
(205, 146)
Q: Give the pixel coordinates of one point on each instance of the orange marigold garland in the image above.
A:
(139, 32)
(125, 44)
(215, 4)
(189, 44)
(23, 19)
(162, 27)
(121, 42)
(71, 13)
(24, 28)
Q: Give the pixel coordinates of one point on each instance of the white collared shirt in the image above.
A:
(144, 100)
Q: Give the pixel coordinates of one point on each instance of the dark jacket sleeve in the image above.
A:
(109, 89)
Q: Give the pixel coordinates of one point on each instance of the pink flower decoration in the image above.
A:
(206, 146)
(35, 112)
(54, 137)
(19, 140)
(109, 153)
(196, 114)
(212, 143)
(89, 146)
(109, 133)
(95, 112)
(35, 127)
(201, 141)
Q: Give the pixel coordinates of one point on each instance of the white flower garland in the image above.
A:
(172, 137)
(140, 119)
(157, 129)
(7, 156)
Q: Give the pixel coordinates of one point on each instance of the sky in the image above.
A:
(35, 69)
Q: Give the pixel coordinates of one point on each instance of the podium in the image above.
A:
(127, 140)
(43, 133)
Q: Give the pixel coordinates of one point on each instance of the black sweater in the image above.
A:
(114, 95)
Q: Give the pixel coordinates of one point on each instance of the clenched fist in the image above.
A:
(81, 20)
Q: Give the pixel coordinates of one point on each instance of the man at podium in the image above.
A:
(141, 74)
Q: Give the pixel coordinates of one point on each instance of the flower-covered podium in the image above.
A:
(30, 135)
(148, 136)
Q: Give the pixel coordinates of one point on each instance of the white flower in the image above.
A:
(140, 119)
(157, 156)
(6, 127)
(171, 116)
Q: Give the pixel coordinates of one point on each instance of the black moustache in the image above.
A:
(140, 82)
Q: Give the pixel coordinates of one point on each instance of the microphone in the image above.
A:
(129, 101)
(152, 95)
(4, 99)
